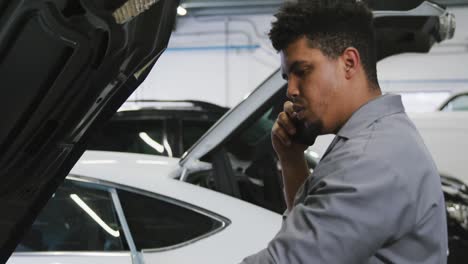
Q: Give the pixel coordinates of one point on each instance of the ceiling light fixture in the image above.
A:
(181, 11)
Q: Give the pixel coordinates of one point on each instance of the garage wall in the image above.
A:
(221, 60)
(214, 59)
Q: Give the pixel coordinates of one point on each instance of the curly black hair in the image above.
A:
(331, 26)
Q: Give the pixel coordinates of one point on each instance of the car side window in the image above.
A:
(156, 223)
(78, 217)
(245, 166)
(459, 103)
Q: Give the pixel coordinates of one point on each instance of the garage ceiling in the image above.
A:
(452, 2)
(246, 7)
(225, 7)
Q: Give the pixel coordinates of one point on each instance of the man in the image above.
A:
(375, 196)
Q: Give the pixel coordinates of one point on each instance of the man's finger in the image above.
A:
(281, 134)
(288, 108)
(285, 122)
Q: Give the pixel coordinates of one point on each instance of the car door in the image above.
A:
(91, 221)
(65, 66)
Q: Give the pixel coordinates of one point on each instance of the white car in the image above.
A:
(124, 208)
(456, 103)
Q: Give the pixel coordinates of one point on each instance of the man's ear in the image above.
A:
(351, 62)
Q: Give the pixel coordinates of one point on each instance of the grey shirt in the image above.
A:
(375, 197)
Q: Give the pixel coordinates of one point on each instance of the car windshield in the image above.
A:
(164, 137)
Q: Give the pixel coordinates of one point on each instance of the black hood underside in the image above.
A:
(65, 65)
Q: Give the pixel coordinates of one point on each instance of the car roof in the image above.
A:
(171, 106)
(136, 110)
(116, 166)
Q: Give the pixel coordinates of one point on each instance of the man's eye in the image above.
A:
(299, 73)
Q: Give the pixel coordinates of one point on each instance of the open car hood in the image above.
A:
(65, 66)
(401, 26)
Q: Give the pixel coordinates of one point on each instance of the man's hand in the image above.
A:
(290, 154)
(282, 132)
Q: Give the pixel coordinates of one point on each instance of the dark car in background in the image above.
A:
(456, 204)
(157, 127)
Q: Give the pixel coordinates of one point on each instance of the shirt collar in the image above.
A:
(367, 114)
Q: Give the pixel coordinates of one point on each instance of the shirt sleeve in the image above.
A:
(345, 217)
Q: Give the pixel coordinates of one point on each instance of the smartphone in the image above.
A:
(306, 134)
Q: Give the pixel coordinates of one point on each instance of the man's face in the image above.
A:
(314, 81)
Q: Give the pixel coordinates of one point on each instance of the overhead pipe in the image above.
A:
(215, 32)
(228, 4)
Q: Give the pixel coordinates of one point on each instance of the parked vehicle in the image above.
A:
(166, 128)
(109, 210)
(126, 208)
(456, 203)
(455, 103)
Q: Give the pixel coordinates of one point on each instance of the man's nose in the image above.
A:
(292, 91)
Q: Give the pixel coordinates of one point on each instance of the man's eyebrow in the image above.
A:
(293, 67)
(296, 65)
